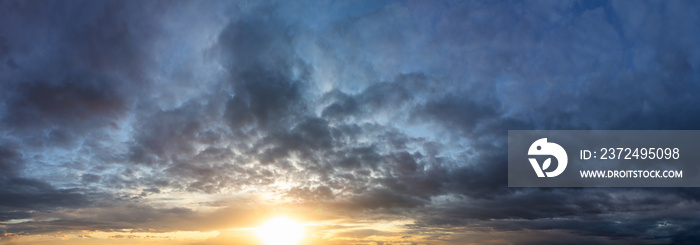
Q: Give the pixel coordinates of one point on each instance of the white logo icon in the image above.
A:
(543, 148)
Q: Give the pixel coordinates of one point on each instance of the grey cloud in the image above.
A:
(383, 113)
(263, 96)
(266, 78)
(163, 135)
(19, 196)
(381, 198)
(343, 105)
(90, 178)
(86, 70)
(378, 98)
(30, 194)
(458, 112)
(22, 196)
(11, 162)
(308, 138)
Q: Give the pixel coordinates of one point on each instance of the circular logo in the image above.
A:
(543, 148)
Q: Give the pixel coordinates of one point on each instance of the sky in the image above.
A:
(369, 122)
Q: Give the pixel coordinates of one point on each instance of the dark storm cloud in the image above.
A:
(262, 97)
(68, 72)
(378, 98)
(261, 105)
(19, 196)
(75, 100)
(164, 135)
(29, 194)
(397, 111)
(459, 112)
(531, 73)
(259, 56)
(78, 63)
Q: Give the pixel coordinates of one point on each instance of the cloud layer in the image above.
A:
(206, 116)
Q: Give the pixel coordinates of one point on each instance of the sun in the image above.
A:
(280, 231)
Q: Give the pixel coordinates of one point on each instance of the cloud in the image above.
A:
(118, 115)
(20, 196)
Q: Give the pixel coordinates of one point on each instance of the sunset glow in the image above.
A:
(280, 231)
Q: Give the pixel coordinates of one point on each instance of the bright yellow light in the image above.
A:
(280, 231)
